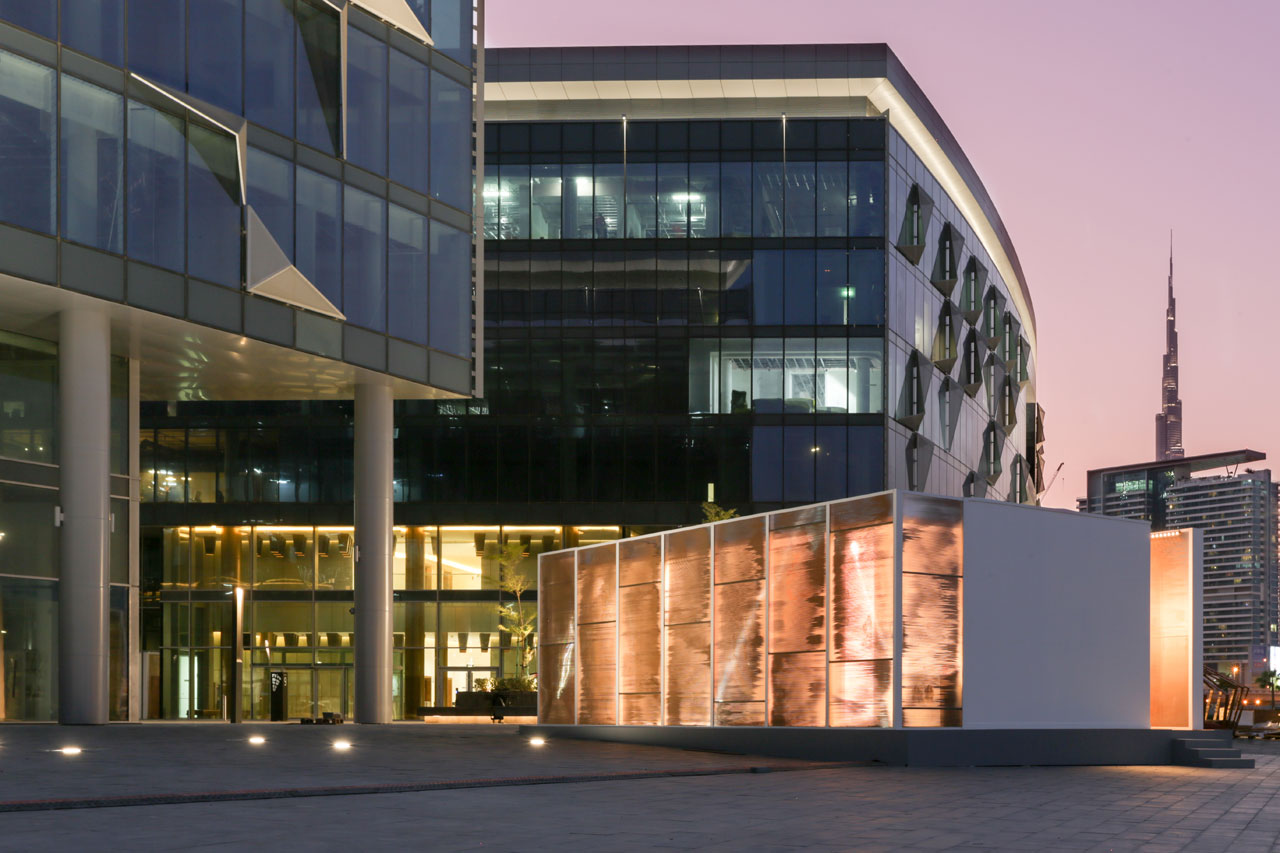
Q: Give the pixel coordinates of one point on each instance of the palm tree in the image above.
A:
(1270, 679)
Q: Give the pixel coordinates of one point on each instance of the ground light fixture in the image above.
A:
(342, 745)
(537, 741)
(70, 750)
(257, 740)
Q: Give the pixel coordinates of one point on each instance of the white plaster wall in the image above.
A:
(1056, 619)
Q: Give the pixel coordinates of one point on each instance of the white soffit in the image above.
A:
(398, 14)
(272, 275)
(879, 91)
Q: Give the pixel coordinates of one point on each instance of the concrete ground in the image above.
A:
(724, 807)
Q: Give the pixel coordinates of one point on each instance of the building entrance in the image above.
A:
(453, 680)
(309, 691)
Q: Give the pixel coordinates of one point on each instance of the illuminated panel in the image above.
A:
(556, 694)
(862, 512)
(640, 654)
(597, 635)
(639, 561)
(797, 618)
(1172, 630)
(932, 565)
(739, 599)
(862, 693)
(862, 618)
(688, 627)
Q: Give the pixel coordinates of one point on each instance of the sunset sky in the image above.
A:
(1097, 126)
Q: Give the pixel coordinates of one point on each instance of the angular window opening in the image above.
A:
(319, 77)
(992, 440)
(911, 400)
(975, 280)
(1010, 403)
(972, 375)
(1018, 486)
(948, 411)
(946, 339)
(946, 264)
(992, 317)
(915, 224)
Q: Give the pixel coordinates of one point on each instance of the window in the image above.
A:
(767, 200)
(407, 274)
(28, 398)
(158, 41)
(92, 185)
(801, 193)
(215, 36)
(40, 17)
(451, 178)
(157, 206)
(213, 207)
(367, 101)
(364, 260)
(450, 312)
(866, 199)
(833, 202)
(270, 193)
(30, 143)
(95, 27)
(318, 77)
(544, 194)
(408, 112)
(269, 49)
(318, 232)
(451, 28)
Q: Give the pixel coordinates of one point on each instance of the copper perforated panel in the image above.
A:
(740, 550)
(639, 560)
(798, 689)
(740, 714)
(932, 656)
(597, 676)
(797, 589)
(555, 598)
(932, 535)
(1172, 629)
(862, 512)
(931, 641)
(862, 593)
(688, 694)
(816, 514)
(557, 699)
(597, 584)
(640, 632)
(931, 717)
(862, 693)
(688, 576)
(639, 709)
(739, 652)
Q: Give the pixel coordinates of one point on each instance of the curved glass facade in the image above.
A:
(350, 142)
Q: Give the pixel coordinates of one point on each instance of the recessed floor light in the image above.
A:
(537, 741)
(70, 750)
(257, 740)
(341, 745)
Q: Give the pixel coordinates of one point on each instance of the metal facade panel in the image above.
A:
(862, 593)
(739, 651)
(797, 589)
(688, 688)
(740, 550)
(639, 560)
(597, 674)
(597, 584)
(798, 689)
(640, 635)
(861, 693)
(932, 587)
(688, 576)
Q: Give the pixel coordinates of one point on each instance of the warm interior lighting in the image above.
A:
(342, 745)
(257, 740)
(70, 750)
(537, 741)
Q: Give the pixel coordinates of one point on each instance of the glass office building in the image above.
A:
(760, 276)
(212, 200)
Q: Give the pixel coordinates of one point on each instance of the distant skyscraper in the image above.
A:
(1169, 421)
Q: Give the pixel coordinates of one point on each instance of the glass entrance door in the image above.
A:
(309, 691)
(453, 680)
(332, 686)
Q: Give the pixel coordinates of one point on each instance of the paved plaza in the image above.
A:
(625, 797)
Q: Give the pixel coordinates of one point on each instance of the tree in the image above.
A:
(712, 511)
(1269, 680)
(514, 617)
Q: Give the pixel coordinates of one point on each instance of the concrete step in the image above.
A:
(1205, 752)
(1240, 762)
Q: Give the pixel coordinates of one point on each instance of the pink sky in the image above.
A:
(1097, 126)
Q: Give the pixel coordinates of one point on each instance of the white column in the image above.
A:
(373, 498)
(84, 394)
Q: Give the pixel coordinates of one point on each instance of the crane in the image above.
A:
(1052, 480)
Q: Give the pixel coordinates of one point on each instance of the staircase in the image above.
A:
(1208, 752)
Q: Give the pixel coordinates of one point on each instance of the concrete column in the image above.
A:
(373, 471)
(84, 394)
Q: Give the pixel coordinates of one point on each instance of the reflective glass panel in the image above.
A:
(215, 36)
(450, 142)
(270, 193)
(28, 649)
(158, 41)
(285, 558)
(364, 260)
(157, 207)
(318, 238)
(451, 28)
(641, 192)
(220, 558)
(95, 27)
(28, 398)
(801, 193)
(513, 203)
(29, 545)
(30, 143)
(468, 557)
(450, 312)
(92, 165)
(319, 77)
(213, 206)
(578, 192)
(704, 199)
(407, 274)
(767, 200)
(269, 48)
(366, 101)
(832, 180)
(39, 17)
(545, 195)
(407, 136)
(866, 198)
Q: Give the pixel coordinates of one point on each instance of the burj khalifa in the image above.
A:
(1169, 420)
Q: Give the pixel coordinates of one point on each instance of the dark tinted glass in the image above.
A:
(95, 27)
